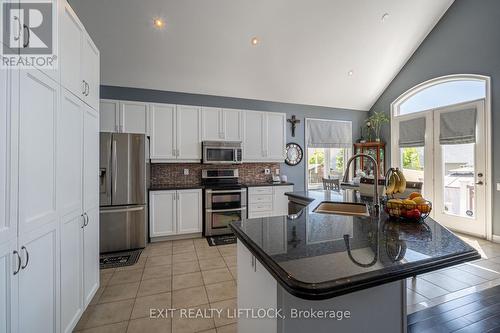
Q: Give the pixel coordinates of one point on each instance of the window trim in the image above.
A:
(394, 112)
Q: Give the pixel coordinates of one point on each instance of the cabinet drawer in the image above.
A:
(260, 198)
(260, 207)
(260, 190)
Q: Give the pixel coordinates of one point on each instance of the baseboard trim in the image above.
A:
(496, 239)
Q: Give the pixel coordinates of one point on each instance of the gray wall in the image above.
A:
(295, 174)
(466, 40)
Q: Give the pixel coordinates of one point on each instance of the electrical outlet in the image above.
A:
(267, 171)
(186, 172)
(277, 171)
(498, 186)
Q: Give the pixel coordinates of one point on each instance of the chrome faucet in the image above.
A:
(375, 174)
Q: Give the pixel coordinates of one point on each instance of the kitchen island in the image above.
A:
(317, 272)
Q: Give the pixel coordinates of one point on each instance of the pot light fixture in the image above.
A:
(158, 23)
(350, 73)
(384, 17)
(254, 41)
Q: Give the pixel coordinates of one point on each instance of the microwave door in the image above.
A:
(220, 155)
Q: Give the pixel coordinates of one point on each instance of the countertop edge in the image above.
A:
(199, 186)
(305, 291)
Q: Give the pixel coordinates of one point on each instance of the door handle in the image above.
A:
(27, 257)
(16, 38)
(480, 183)
(84, 86)
(27, 40)
(85, 219)
(18, 262)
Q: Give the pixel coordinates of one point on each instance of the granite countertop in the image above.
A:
(319, 256)
(268, 184)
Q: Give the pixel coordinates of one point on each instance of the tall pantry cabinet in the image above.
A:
(49, 124)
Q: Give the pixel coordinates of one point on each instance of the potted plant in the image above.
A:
(376, 121)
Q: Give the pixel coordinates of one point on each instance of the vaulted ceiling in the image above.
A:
(337, 53)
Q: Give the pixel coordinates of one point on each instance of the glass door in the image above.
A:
(459, 190)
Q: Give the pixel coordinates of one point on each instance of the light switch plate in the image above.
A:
(498, 186)
(186, 172)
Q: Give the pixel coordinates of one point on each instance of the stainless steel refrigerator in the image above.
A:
(123, 187)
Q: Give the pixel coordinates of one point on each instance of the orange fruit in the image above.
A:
(414, 195)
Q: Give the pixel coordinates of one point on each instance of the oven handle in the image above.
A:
(227, 191)
(226, 210)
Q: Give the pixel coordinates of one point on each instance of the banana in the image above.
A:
(401, 187)
(391, 184)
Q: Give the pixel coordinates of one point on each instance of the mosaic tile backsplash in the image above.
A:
(173, 174)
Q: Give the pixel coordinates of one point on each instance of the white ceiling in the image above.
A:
(307, 48)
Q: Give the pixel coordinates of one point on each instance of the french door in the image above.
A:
(453, 175)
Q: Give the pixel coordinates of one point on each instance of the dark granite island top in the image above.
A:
(319, 256)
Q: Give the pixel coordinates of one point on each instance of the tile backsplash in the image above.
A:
(172, 174)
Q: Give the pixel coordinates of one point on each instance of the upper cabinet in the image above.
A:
(123, 117)
(221, 124)
(175, 133)
(264, 137)
(79, 58)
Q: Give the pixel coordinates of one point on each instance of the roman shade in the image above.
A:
(457, 127)
(323, 133)
(412, 133)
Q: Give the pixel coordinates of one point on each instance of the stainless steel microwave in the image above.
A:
(219, 152)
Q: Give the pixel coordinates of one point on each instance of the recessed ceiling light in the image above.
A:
(158, 23)
(384, 17)
(254, 41)
(350, 73)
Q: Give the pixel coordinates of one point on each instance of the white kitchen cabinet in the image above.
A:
(133, 117)
(79, 57)
(175, 212)
(212, 124)
(221, 124)
(163, 213)
(90, 159)
(109, 115)
(280, 200)
(39, 284)
(189, 207)
(256, 289)
(9, 80)
(254, 137)
(162, 131)
(90, 255)
(274, 235)
(264, 137)
(37, 152)
(9, 288)
(188, 134)
(71, 271)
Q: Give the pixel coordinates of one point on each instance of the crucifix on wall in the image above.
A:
(293, 121)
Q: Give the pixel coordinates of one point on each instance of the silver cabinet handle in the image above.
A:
(86, 219)
(480, 183)
(121, 210)
(16, 38)
(226, 191)
(18, 262)
(88, 89)
(27, 40)
(83, 217)
(27, 257)
(226, 210)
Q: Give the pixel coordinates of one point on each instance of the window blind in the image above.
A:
(322, 133)
(412, 133)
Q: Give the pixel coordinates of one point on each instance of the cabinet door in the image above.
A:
(189, 214)
(90, 159)
(254, 136)
(232, 120)
(8, 287)
(109, 115)
(162, 213)
(39, 280)
(90, 71)
(280, 200)
(37, 159)
(70, 155)
(188, 133)
(162, 127)
(70, 48)
(71, 272)
(275, 137)
(212, 124)
(133, 117)
(91, 256)
(9, 92)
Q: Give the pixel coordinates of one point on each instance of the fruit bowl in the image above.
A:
(406, 210)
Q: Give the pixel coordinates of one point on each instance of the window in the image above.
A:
(325, 163)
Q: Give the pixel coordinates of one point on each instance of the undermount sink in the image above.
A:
(342, 208)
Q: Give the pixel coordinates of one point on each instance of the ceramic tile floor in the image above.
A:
(437, 287)
(176, 274)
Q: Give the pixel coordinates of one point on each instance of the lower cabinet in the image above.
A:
(175, 212)
(9, 286)
(266, 201)
(90, 255)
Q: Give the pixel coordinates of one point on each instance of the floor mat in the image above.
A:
(221, 240)
(119, 259)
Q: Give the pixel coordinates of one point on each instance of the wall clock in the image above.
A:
(294, 154)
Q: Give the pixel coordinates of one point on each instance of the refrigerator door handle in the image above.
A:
(121, 210)
(114, 164)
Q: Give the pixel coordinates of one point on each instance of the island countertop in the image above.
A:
(319, 256)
